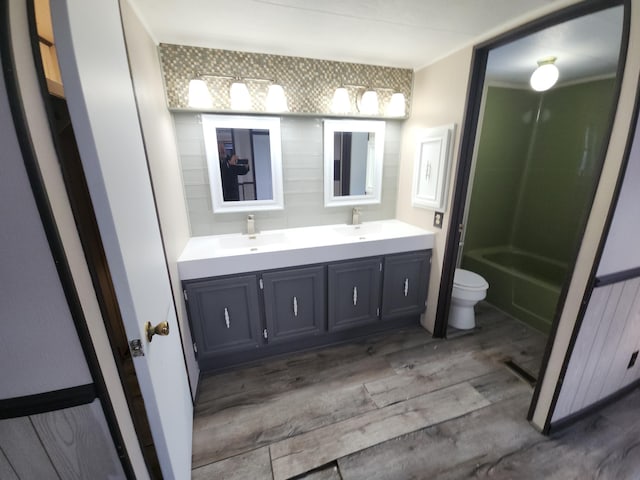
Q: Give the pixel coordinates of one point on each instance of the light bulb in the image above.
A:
(369, 103)
(199, 96)
(545, 76)
(276, 99)
(240, 98)
(396, 107)
(341, 102)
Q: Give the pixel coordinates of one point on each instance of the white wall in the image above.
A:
(303, 179)
(162, 156)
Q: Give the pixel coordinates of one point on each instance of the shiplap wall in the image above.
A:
(610, 333)
(303, 179)
(73, 443)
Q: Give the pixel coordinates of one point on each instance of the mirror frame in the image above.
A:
(332, 126)
(210, 124)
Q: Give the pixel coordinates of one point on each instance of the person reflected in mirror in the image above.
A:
(229, 171)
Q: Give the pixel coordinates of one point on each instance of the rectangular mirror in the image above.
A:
(244, 159)
(353, 158)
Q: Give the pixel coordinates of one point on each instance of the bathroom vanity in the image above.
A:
(287, 290)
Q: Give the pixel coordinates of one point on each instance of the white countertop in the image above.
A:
(214, 255)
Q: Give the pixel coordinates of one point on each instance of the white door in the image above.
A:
(99, 92)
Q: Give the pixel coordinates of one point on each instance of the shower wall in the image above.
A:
(536, 165)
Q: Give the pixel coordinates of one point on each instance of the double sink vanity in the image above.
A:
(251, 296)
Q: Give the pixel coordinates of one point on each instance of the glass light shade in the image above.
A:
(369, 103)
(544, 77)
(276, 99)
(240, 98)
(341, 102)
(199, 96)
(396, 107)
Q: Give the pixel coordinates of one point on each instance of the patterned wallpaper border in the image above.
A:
(309, 84)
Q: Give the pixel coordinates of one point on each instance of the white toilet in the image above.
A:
(468, 289)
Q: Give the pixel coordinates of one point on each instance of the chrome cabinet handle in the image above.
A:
(406, 287)
(355, 296)
(226, 317)
(295, 307)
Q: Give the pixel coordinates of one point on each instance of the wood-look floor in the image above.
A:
(403, 406)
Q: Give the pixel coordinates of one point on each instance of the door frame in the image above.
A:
(467, 147)
(30, 158)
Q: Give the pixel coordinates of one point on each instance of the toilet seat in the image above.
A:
(469, 280)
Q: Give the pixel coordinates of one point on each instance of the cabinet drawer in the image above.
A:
(354, 293)
(406, 278)
(294, 302)
(225, 314)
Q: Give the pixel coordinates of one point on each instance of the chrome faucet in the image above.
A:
(251, 225)
(355, 216)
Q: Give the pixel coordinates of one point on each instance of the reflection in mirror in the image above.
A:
(244, 160)
(353, 156)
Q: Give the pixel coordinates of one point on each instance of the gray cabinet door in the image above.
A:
(225, 314)
(354, 293)
(406, 277)
(294, 302)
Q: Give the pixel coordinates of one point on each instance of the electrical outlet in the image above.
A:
(634, 357)
(438, 218)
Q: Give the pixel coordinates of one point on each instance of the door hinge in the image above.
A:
(184, 294)
(261, 286)
(380, 266)
(136, 348)
(378, 312)
(195, 348)
(265, 334)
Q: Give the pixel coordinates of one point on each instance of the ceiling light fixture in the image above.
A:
(545, 76)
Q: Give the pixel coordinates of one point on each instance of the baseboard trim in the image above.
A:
(569, 420)
(48, 401)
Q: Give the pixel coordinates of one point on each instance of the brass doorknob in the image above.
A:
(161, 329)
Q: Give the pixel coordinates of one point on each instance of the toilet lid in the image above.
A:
(467, 279)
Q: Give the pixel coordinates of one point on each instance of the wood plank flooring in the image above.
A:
(402, 406)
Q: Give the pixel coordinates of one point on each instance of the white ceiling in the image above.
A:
(398, 33)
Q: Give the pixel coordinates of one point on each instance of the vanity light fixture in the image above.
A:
(545, 76)
(276, 99)
(396, 106)
(239, 96)
(341, 102)
(199, 96)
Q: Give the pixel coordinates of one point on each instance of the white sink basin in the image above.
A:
(215, 255)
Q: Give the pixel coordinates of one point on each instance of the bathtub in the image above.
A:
(522, 284)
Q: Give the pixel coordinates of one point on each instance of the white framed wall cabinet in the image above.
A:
(431, 168)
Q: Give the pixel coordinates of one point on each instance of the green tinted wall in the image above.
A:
(534, 180)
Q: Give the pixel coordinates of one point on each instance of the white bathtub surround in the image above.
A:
(211, 255)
